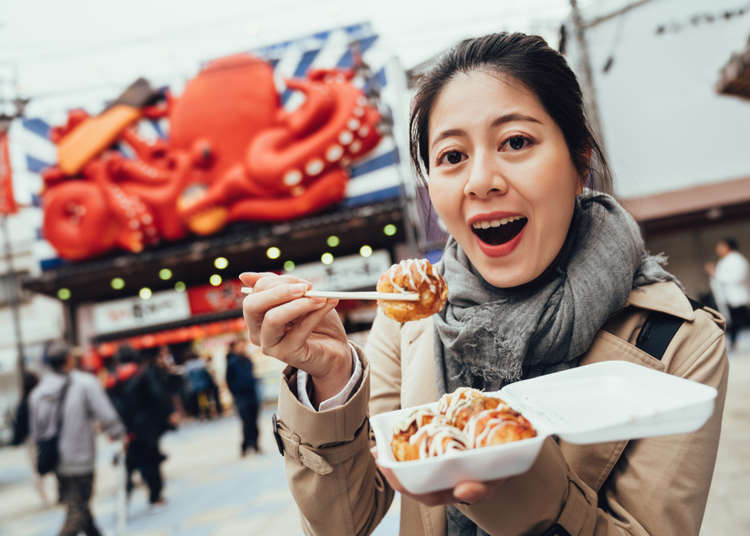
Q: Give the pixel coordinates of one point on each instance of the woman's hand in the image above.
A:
(467, 492)
(305, 333)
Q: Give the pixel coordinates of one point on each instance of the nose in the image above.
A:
(485, 177)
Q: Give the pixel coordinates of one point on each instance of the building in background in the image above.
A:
(677, 146)
(187, 289)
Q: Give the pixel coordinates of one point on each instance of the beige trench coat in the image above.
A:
(655, 486)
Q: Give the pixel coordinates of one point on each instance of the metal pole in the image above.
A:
(588, 77)
(14, 303)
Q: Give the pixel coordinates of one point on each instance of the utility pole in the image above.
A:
(6, 117)
(589, 90)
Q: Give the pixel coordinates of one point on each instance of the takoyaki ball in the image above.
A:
(413, 276)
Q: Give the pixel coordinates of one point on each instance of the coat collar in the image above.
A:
(664, 297)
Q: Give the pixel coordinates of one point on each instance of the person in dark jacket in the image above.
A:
(242, 384)
(147, 413)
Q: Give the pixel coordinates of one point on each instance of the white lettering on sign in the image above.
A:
(130, 313)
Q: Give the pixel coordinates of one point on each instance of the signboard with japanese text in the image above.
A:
(130, 313)
(210, 299)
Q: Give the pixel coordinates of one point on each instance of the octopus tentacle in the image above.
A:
(328, 189)
(77, 220)
(349, 132)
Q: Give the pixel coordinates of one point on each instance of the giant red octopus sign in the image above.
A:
(233, 153)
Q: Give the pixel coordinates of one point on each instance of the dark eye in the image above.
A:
(516, 143)
(452, 157)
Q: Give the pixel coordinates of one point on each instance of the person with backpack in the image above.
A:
(63, 409)
(147, 412)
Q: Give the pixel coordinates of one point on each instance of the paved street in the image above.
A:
(211, 491)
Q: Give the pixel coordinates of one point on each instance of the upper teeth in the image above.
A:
(494, 223)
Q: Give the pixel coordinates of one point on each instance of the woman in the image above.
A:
(543, 275)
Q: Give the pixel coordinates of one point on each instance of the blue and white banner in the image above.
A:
(373, 178)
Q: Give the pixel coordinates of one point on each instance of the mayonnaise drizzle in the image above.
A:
(432, 439)
(451, 404)
(417, 416)
(490, 426)
(405, 265)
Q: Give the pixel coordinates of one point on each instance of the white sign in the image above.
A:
(352, 272)
(130, 313)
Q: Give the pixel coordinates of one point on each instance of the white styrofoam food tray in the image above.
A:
(607, 401)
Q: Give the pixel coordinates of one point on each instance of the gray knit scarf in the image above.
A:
(488, 337)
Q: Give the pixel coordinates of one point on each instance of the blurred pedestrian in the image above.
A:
(174, 377)
(66, 403)
(243, 386)
(730, 282)
(199, 381)
(213, 389)
(120, 368)
(147, 413)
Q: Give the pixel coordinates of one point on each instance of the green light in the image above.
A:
(215, 280)
(144, 293)
(117, 283)
(288, 266)
(326, 258)
(179, 286)
(365, 251)
(273, 252)
(165, 274)
(390, 229)
(63, 294)
(221, 263)
(333, 241)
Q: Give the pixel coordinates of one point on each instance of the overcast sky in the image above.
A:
(52, 46)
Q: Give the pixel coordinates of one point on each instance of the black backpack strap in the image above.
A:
(658, 330)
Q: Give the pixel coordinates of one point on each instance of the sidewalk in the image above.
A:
(727, 511)
(212, 491)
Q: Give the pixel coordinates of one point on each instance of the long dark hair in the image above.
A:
(543, 70)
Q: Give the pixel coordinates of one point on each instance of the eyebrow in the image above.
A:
(507, 118)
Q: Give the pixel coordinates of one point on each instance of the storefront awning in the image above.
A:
(689, 207)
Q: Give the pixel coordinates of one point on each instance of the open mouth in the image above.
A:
(498, 232)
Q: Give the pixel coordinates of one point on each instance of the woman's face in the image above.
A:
(501, 177)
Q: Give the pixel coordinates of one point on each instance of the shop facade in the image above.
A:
(186, 288)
